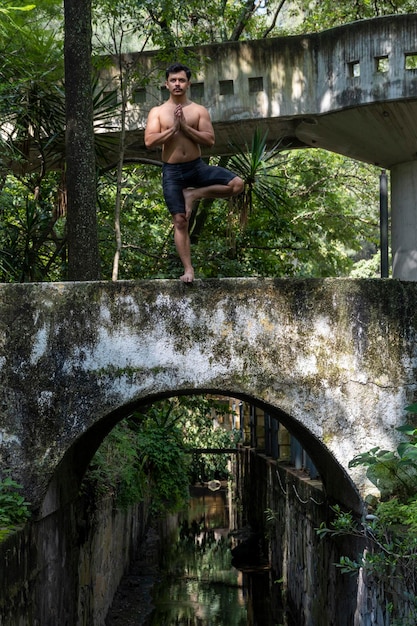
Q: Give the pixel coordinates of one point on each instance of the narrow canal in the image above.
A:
(195, 582)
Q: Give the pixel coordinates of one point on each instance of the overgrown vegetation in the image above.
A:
(390, 529)
(14, 510)
(306, 213)
(145, 457)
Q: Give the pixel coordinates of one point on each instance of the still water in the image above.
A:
(196, 584)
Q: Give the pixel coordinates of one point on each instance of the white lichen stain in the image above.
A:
(40, 345)
(8, 439)
(45, 399)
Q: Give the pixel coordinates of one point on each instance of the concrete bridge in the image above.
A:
(351, 90)
(334, 360)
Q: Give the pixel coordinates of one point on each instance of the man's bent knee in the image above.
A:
(237, 185)
(180, 221)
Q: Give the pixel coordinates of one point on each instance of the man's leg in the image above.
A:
(233, 188)
(182, 243)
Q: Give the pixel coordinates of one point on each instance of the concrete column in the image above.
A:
(404, 220)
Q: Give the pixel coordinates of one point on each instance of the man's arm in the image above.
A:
(154, 136)
(204, 133)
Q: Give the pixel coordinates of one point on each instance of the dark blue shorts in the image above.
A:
(179, 176)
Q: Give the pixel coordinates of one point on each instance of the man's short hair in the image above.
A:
(178, 67)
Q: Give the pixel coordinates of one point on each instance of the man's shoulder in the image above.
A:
(194, 106)
(158, 107)
(159, 112)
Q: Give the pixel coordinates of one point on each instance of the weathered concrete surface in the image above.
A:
(347, 89)
(334, 359)
(314, 589)
(65, 569)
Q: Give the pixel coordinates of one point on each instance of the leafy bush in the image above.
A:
(145, 455)
(391, 530)
(116, 468)
(164, 462)
(14, 510)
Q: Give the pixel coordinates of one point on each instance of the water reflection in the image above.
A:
(198, 585)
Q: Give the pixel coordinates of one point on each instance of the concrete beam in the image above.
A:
(351, 90)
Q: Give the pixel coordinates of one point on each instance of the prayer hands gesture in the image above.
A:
(179, 119)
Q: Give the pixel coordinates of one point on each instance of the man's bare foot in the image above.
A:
(188, 276)
(189, 197)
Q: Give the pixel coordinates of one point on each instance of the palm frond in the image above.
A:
(257, 166)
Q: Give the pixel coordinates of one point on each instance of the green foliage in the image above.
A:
(145, 456)
(394, 473)
(201, 418)
(391, 531)
(343, 523)
(31, 233)
(163, 459)
(257, 166)
(14, 510)
(322, 14)
(115, 469)
(168, 25)
(308, 213)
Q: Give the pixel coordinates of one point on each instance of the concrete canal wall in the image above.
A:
(64, 570)
(313, 589)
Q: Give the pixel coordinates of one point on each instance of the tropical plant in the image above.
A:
(258, 165)
(14, 510)
(146, 456)
(390, 531)
(393, 472)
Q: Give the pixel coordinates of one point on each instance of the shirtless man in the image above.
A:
(181, 127)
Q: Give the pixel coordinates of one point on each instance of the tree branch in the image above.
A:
(247, 12)
(274, 20)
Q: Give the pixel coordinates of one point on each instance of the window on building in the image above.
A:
(139, 95)
(256, 84)
(226, 87)
(197, 91)
(411, 61)
(110, 97)
(382, 64)
(354, 69)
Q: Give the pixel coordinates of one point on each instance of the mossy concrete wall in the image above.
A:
(65, 569)
(334, 359)
(286, 507)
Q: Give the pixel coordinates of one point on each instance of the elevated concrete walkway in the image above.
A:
(351, 90)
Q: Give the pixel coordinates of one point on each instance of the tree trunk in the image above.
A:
(83, 255)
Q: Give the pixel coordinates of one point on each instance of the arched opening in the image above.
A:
(74, 532)
(337, 484)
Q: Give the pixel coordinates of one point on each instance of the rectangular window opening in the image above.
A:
(226, 87)
(256, 84)
(139, 95)
(164, 94)
(354, 69)
(197, 91)
(110, 98)
(411, 61)
(382, 64)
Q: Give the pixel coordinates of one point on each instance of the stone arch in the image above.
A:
(68, 474)
(334, 358)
